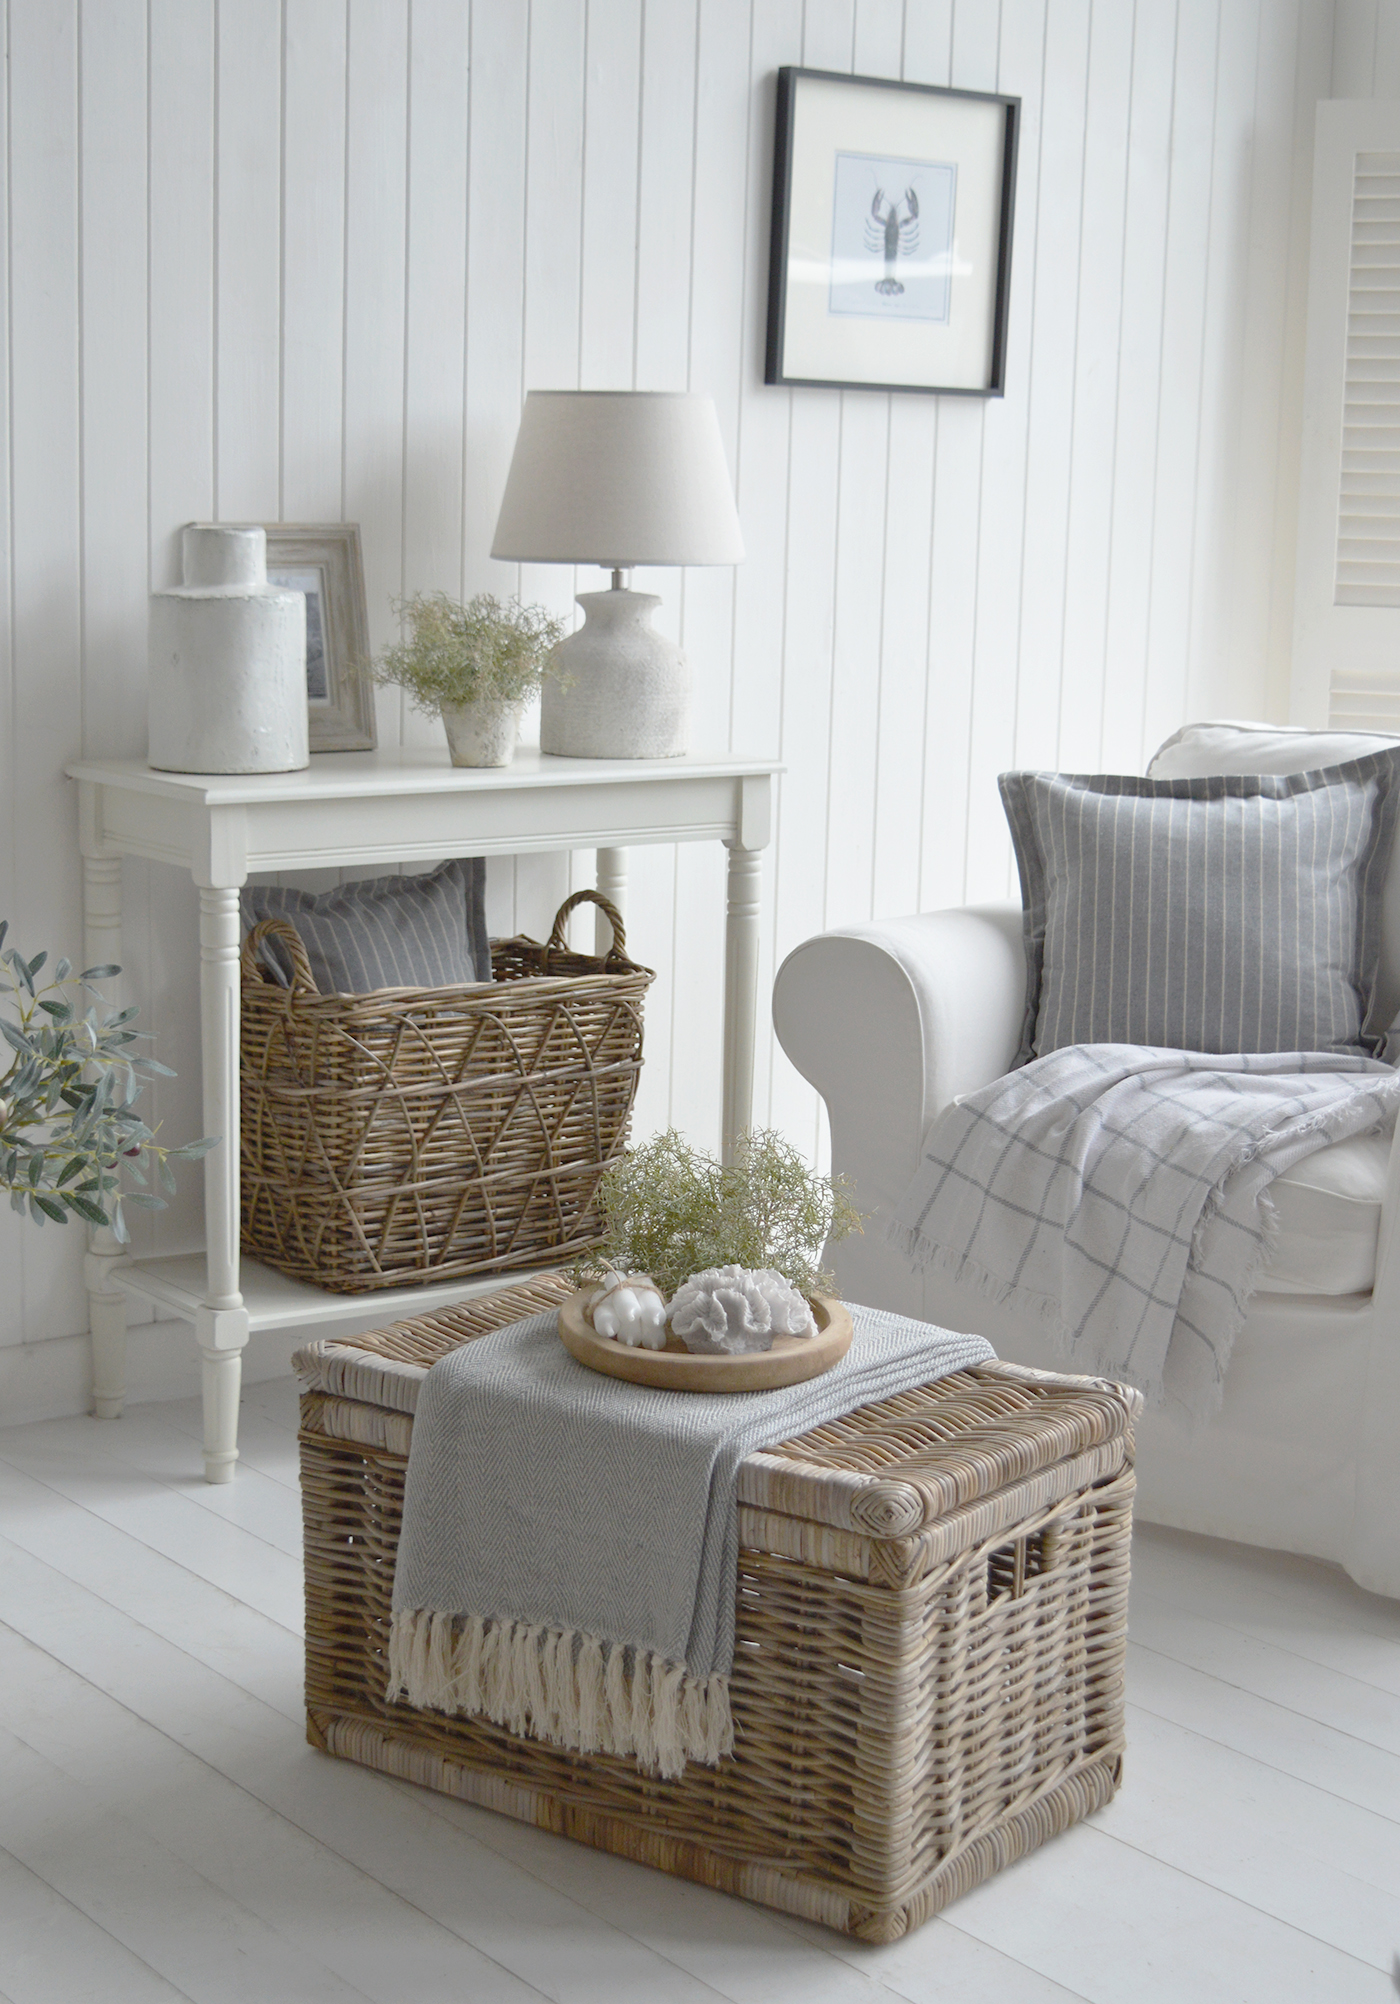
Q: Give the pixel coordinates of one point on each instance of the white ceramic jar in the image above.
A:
(227, 689)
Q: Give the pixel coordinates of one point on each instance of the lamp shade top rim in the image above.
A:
(619, 478)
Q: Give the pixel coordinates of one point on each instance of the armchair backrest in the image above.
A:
(1199, 749)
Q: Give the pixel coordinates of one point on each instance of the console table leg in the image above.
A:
(222, 1327)
(102, 947)
(740, 992)
(612, 884)
(222, 1334)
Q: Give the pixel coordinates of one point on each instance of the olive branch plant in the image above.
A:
(69, 1136)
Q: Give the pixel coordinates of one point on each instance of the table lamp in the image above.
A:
(618, 478)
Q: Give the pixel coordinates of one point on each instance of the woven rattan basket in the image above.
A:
(431, 1133)
(931, 1626)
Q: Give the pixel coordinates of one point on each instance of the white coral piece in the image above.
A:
(729, 1310)
(630, 1308)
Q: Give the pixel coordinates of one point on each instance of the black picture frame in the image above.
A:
(966, 340)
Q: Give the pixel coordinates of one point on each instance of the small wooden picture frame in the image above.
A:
(322, 559)
(891, 247)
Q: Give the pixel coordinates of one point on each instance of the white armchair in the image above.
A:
(890, 1022)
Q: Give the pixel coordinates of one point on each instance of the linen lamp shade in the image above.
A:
(618, 478)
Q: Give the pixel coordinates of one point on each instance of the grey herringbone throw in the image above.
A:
(567, 1563)
(1120, 1196)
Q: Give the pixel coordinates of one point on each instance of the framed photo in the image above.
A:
(322, 559)
(891, 249)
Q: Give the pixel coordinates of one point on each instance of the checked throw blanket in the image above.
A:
(1119, 1195)
(568, 1559)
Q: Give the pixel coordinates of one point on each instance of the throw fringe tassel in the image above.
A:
(561, 1685)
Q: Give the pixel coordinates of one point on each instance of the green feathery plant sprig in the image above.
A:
(68, 1132)
(481, 651)
(670, 1211)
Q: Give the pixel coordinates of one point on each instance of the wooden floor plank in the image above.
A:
(1252, 1833)
(340, 1918)
(259, 1655)
(1273, 1733)
(51, 1952)
(146, 1895)
(1362, 1710)
(386, 1831)
(1327, 1618)
(224, 1554)
(1122, 1928)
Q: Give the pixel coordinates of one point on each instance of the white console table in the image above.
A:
(348, 810)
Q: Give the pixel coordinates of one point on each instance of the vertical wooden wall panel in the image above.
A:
(375, 168)
(1179, 431)
(1001, 546)
(304, 257)
(1226, 647)
(435, 311)
(248, 222)
(46, 633)
(1097, 348)
(313, 262)
(1047, 679)
(1138, 385)
(716, 362)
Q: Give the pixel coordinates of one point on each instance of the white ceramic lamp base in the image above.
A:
(627, 692)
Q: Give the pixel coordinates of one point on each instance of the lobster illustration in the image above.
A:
(892, 228)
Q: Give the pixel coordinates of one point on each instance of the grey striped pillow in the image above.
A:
(383, 932)
(1236, 912)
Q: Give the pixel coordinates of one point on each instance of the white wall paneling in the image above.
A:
(302, 258)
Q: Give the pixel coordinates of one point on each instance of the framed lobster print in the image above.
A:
(891, 248)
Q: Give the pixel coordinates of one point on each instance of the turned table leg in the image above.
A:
(612, 884)
(221, 1327)
(740, 992)
(102, 947)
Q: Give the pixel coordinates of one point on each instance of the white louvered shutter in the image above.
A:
(1346, 661)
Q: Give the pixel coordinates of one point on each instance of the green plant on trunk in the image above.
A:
(484, 651)
(71, 1144)
(671, 1211)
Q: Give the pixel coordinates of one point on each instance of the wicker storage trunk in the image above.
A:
(928, 1676)
(433, 1133)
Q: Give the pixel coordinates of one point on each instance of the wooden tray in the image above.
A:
(676, 1369)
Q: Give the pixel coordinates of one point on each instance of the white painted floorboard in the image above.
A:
(166, 1832)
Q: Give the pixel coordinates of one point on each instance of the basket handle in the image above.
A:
(283, 930)
(556, 942)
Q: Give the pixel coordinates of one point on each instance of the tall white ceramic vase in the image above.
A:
(623, 689)
(227, 686)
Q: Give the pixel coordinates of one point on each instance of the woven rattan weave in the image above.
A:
(931, 1623)
(429, 1134)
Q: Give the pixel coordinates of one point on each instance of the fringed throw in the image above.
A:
(558, 1685)
(568, 1560)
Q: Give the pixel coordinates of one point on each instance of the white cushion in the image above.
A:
(1329, 1215)
(1198, 749)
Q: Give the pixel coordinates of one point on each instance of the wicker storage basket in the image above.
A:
(928, 1677)
(431, 1133)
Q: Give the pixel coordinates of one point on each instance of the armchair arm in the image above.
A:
(890, 1022)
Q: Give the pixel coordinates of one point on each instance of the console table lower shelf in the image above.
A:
(175, 1286)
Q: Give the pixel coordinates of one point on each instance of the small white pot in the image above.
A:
(481, 733)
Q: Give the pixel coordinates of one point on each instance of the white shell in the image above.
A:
(630, 1308)
(728, 1310)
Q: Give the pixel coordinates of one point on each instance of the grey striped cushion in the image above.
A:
(1236, 912)
(383, 932)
